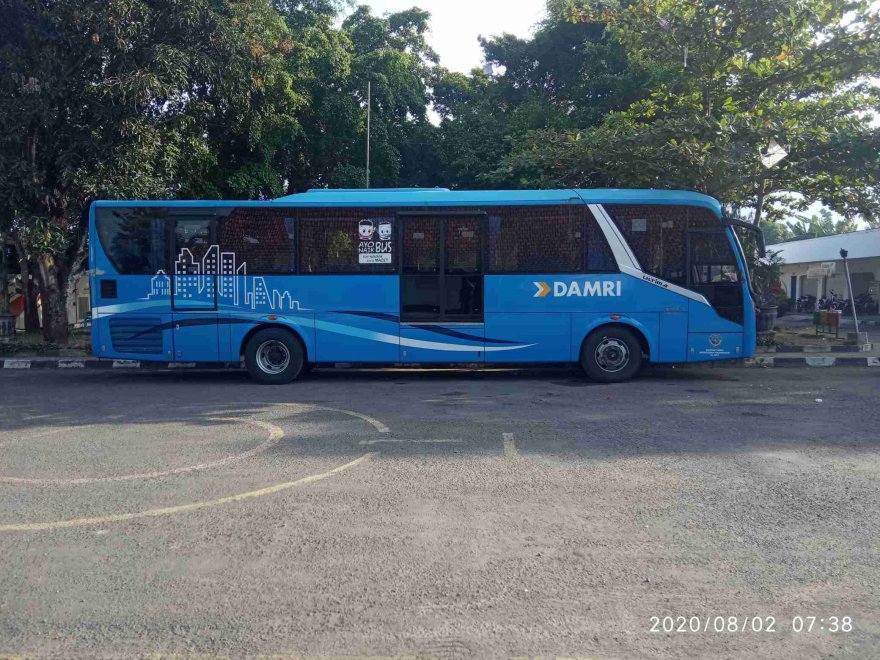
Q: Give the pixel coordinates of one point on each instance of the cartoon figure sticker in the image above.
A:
(366, 228)
(375, 246)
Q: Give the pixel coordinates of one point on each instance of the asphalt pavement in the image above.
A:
(690, 513)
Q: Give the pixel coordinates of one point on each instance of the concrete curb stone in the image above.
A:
(759, 361)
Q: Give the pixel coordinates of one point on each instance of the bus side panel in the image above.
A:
(357, 317)
(705, 319)
(648, 323)
(436, 343)
(140, 329)
(349, 337)
(528, 337)
(712, 337)
(703, 346)
(673, 331)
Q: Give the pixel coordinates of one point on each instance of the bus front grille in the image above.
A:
(136, 334)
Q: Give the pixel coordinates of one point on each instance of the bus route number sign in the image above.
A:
(374, 246)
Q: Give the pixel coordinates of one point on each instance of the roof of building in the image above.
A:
(859, 244)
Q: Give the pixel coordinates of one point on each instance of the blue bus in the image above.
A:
(611, 279)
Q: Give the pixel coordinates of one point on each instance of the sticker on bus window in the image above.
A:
(375, 244)
(640, 224)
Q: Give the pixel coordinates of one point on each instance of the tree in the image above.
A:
(118, 99)
(333, 67)
(724, 79)
(821, 224)
(568, 75)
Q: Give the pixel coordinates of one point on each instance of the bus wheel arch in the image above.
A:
(614, 352)
(274, 354)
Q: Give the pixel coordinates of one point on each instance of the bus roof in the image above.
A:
(444, 197)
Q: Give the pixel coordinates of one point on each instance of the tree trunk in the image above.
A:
(30, 292)
(29, 289)
(53, 293)
(759, 204)
(4, 276)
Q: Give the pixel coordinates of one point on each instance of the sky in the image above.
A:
(456, 24)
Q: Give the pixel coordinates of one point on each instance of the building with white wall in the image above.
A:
(814, 266)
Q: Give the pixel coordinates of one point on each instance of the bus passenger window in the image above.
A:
(347, 240)
(464, 238)
(421, 245)
(133, 239)
(547, 239)
(263, 238)
(657, 234)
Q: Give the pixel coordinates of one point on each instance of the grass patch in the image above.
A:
(804, 337)
(32, 343)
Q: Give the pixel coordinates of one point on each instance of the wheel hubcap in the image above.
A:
(612, 355)
(273, 357)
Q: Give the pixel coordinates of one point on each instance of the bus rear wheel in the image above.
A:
(611, 355)
(274, 356)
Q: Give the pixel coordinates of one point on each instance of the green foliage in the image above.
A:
(724, 79)
(391, 53)
(766, 273)
(254, 98)
(821, 224)
(133, 99)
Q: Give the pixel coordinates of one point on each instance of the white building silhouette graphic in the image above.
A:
(194, 282)
(160, 285)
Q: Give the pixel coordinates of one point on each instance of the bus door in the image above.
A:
(441, 287)
(194, 289)
(714, 332)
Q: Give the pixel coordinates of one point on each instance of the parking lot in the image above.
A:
(439, 513)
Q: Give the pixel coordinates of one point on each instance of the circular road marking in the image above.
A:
(194, 506)
(275, 434)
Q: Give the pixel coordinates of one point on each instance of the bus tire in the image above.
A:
(274, 357)
(611, 354)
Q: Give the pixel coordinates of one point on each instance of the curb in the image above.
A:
(814, 361)
(859, 348)
(96, 363)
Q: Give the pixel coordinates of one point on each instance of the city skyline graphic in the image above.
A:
(218, 275)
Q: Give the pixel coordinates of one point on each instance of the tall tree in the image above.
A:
(391, 53)
(727, 78)
(566, 76)
(137, 99)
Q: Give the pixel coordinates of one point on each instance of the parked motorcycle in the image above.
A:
(865, 304)
(833, 301)
(806, 303)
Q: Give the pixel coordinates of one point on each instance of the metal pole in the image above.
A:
(369, 109)
(849, 290)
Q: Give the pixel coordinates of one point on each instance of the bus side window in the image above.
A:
(657, 235)
(262, 238)
(133, 239)
(546, 239)
(347, 240)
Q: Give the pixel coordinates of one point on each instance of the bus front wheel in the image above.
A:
(611, 355)
(274, 356)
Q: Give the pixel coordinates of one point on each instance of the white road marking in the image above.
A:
(275, 435)
(424, 441)
(153, 513)
(510, 450)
